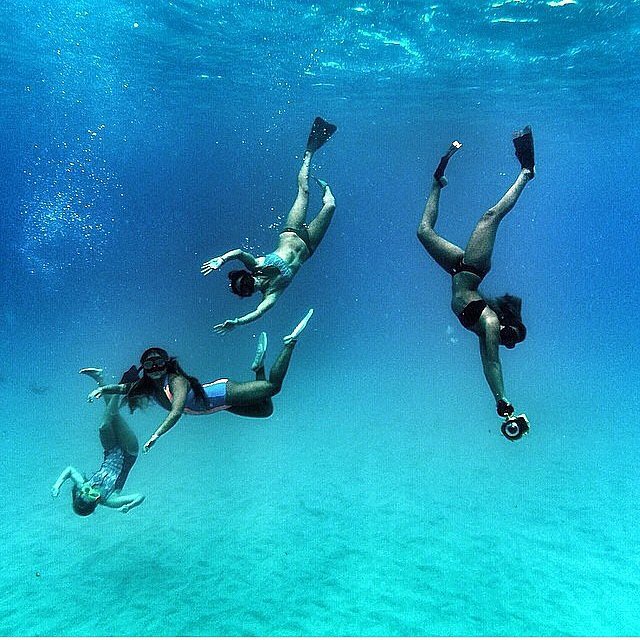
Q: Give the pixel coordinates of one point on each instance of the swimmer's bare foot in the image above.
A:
(95, 373)
(261, 351)
(438, 175)
(293, 336)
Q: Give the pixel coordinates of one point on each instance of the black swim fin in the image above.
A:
(438, 174)
(130, 375)
(321, 131)
(523, 143)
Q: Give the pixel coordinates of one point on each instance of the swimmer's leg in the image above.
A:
(123, 434)
(243, 394)
(480, 246)
(298, 213)
(261, 409)
(108, 437)
(319, 225)
(258, 361)
(445, 253)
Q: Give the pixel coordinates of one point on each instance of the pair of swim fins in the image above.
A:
(321, 131)
(522, 142)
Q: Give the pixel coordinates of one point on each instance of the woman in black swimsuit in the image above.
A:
(495, 322)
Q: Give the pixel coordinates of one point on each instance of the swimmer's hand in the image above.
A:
(125, 508)
(226, 326)
(504, 408)
(211, 265)
(150, 443)
(95, 394)
(55, 491)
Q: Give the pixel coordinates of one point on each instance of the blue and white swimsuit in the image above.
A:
(215, 393)
(285, 274)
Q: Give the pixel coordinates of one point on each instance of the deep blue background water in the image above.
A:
(139, 139)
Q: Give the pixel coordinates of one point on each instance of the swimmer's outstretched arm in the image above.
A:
(179, 389)
(108, 389)
(229, 325)
(68, 473)
(235, 254)
(489, 344)
(124, 503)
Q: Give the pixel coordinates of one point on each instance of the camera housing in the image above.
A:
(514, 427)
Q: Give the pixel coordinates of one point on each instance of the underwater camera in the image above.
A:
(514, 427)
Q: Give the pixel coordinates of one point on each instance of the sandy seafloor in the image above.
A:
(331, 524)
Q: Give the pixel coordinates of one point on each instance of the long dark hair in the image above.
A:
(242, 282)
(143, 389)
(508, 308)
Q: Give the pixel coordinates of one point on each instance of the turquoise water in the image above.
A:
(140, 139)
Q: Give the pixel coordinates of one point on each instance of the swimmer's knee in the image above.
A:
(274, 389)
(489, 215)
(424, 233)
(303, 186)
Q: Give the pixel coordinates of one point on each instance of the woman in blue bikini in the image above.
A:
(495, 322)
(120, 453)
(164, 381)
(272, 274)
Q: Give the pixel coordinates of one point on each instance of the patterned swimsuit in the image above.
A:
(113, 472)
(285, 274)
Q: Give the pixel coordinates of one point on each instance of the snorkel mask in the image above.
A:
(154, 365)
(154, 360)
(89, 493)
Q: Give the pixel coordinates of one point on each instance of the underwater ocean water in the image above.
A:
(139, 139)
